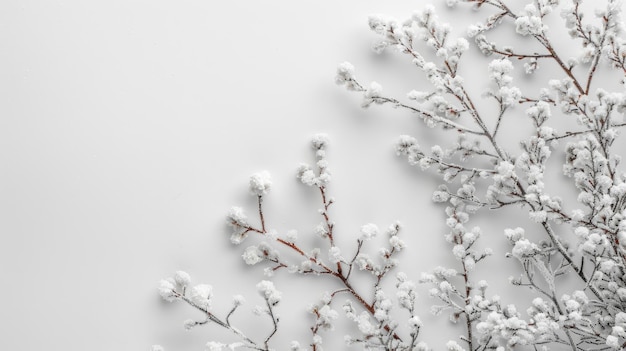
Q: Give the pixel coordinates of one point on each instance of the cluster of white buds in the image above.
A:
(260, 183)
(530, 23)
(238, 221)
(306, 174)
(506, 94)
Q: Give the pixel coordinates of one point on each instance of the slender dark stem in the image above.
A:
(544, 41)
(260, 201)
(520, 56)
(274, 321)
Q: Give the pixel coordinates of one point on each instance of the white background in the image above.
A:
(128, 129)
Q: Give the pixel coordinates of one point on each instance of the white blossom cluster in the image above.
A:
(571, 255)
(507, 95)
(260, 183)
(306, 174)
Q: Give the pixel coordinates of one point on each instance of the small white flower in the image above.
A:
(619, 331)
(268, 291)
(321, 230)
(368, 231)
(440, 196)
(326, 317)
(397, 243)
(578, 214)
(252, 255)
(272, 234)
(260, 183)
(524, 248)
(469, 263)
(419, 96)
(345, 76)
(458, 251)
(453, 346)
(237, 219)
(334, 254)
(295, 346)
(538, 216)
(238, 300)
(530, 66)
(167, 290)
(372, 94)
(415, 322)
(364, 324)
(307, 176)
(317, 340)
(189, 324)
(319, 141)
(292, 235)
(514, 234)
(182, 278)
(529, 25)
(445, 287)
(613, 341)
(215, 346)
(201, 295)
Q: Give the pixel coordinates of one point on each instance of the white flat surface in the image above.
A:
(128, 129)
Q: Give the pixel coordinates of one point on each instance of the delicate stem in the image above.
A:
(468, 320)
(274, 321)
(356, 254)
(260, 201)
(520, 56)
(546, 43)
(329, 224)
(563, 251)
(446, 122)
(500, 115)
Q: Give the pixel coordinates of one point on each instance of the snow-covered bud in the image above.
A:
(368, 231)
(201, 295)
(167, 290)
(260, 183)
(268, 291)
(182, 278)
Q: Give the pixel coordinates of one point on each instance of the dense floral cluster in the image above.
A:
(480, 172)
